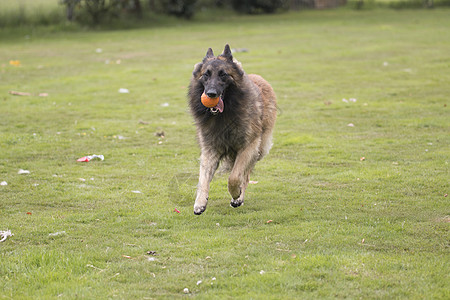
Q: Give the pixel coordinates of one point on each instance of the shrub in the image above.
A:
(258, 6)
(179, 8)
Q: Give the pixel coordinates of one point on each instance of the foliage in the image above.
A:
(179, 8)
(258, 6)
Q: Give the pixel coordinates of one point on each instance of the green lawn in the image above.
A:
(356, 211)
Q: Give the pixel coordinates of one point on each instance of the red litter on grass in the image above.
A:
(90, 157)
(176, 210)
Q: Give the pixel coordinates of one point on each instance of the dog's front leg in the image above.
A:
(208, 165)
(240, 175)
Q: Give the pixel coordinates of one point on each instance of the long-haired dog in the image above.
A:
(236, 131)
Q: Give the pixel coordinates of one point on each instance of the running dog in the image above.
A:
(238, 130)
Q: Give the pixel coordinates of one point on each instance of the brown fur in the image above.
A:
(241, 134)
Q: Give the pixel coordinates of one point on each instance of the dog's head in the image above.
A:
(216, 74)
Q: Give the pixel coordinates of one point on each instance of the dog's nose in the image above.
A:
(212, 94)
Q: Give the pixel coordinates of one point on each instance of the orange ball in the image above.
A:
(209, 102)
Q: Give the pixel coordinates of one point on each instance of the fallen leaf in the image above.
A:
(19, 93)
(15, 63)
(160, 134)
(15, 93)
(28, 213)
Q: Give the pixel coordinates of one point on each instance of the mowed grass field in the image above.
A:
(350, 203)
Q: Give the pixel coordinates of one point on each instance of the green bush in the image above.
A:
(179, 8)
(258, 6)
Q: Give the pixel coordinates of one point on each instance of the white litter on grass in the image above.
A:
(186, 291)
(99, 50)
(90, 157)
(21, 171)
(351, 125)
(124, 91)
(137, 192)
(5, 235)
(3, 183)
(165, 104)
(198, 282)
(262, 272)
(151, 258)
(57, 233)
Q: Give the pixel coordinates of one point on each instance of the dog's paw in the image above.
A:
(198, 210)
(236, 202)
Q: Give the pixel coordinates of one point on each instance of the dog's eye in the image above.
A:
(205, 75)
(223, 74)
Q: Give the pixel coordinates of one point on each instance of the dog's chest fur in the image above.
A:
(229, 132)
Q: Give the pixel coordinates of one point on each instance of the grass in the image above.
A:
(342, 226)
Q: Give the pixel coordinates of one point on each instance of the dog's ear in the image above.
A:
(197, 69)
(227, 53)
(209, 54)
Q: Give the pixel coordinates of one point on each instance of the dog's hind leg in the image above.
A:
(240, 175)
(208, 166)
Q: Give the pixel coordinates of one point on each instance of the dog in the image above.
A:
(238, 130)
